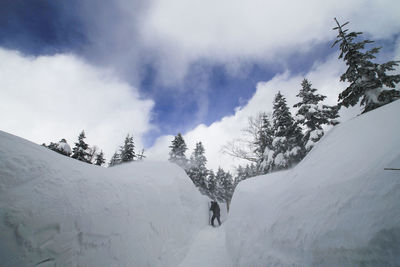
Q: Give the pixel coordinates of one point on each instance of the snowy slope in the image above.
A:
(338, 207)
(56, 211)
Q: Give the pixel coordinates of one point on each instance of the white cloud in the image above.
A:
(324, 76)
(47, 98)
(227, 30)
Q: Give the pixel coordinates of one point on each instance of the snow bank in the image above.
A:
(56, 211)
(338, 207)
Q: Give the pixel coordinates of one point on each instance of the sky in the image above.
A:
(155, 68)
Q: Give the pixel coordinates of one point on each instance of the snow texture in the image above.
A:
(208, 250)
(57, 211)
(338, 207)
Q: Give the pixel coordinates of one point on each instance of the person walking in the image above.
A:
(216, 212)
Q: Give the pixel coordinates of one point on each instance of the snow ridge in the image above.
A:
(57, 211)
(338, 207)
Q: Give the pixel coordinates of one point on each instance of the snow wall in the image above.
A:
(57, 211)
(338, 207)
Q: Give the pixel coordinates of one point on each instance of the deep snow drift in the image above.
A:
(57, 211)
(338, 207)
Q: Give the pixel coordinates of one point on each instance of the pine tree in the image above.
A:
(100, 159)
(127, 151)
(79, 152)
(227, 188)
(92, 153)
(211, 185)
(248, 172)
(240, 175)
(287, 145)
(177, 153)
(263, 143)
(219, 188)
(197, 167)
(312, 114)
(366, 78)
(115, 159)
(251, 170)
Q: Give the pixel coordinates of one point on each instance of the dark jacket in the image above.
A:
(215, 207)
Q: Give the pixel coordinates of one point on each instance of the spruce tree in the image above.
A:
(367, 79)
(240, 175)
(227, 185)
(219, 188)
(92, 153)
(212, 185)
(100, 160)
(312, 114)
(197, 167)
(263, 143)
(252, 170)
(177, 153)
(115, 159)
(287, 145)
(79, 152)
(127, 151)
(248, 172)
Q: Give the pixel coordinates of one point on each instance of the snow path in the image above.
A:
(208, 249)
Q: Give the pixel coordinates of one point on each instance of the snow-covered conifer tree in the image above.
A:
(92, 153)
(211, 185)
(127, 151)
(115, 159)
(240, 175)
(227, 185)
(177, 153)
(287, 145)
(367, 79)
(253, 171)
(100, 160)
(197, 167)
(219, 189)
(248, 172)
(263, 144)
(312, 114)
(80, 152)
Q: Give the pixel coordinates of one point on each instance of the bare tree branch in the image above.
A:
(237, 148)
(244, 148)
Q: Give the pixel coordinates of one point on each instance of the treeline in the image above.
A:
(218, 186)
(81, 151)
(91, 154)
(279, 139)
(126, 153)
